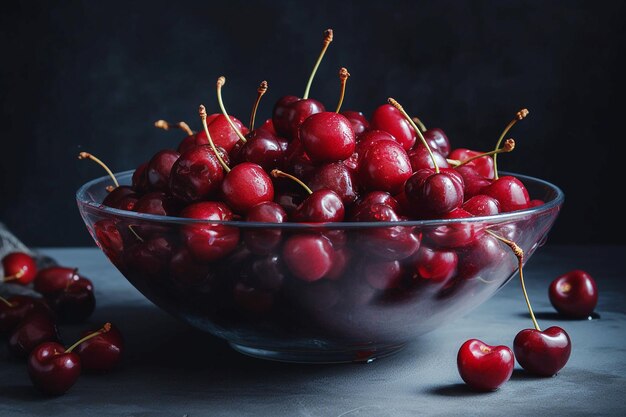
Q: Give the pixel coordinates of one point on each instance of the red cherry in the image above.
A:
(102, 352)
(341, 261)
(149, 258)
(157, 203)
(55, 278)
(483, 165)
(510, 193)
(159, 168)
(19, 267)
(336, 177)
(484, 367)
(263, 148)
(371, 198)
(15, 308)
(298, 162)
(222, 133)
(264, 241)
(196, 175)
(357, 120)
(535, 203)
(109, 239)
(454, 235)
(206, 241)
(122, 198)
(391, 120)
(186, 270)
(473, 183)
(384, 166)
(366, 139)
(52, 369)
(267, 273)
(542, 352)
(327, 137)
(140, 178)
(574, 294)
(437, 140)
(482, 205)
(434, 266)
(382, 275)
(36, 328)
(322, 206)
(480, 254)
(245, 186)
(75, 303)
(420, 158)
(308, 256)
(434, 194)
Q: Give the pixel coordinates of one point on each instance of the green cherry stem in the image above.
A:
(5, 301)
(104, 329)
(419, 123)
(278, 173)
(343, 78)
(509, 145)
(87, 155)
(260, 91)
(202, 111)
(328, 38)
(518, 116)
(220, 83)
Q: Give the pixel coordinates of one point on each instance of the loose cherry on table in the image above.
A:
(74, 303)
(19, 268)
(15, 308)
(54, 279)
(290, 111)
(484, 367)
(54, 369)
(35, 328)
(101, 351)
(574, 294)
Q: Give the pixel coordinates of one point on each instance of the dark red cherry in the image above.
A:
(122, 197)
(366, 139)
(510, 193)
(542, 353)
(196, 175)
(484, 367)
(75, 303)
(454, 235)
(437, 140)
(36, 328)
(209, 241)
(290, 112)
(264, 241)
(159, 169)
(341, 262)
(140, 179)
(482, 205)
(252, 299)
(186, 270)
(267, 272)
(157, 203)
(245, 186)
(109, 239)
(191, 141)
(221, 132)
(473, 183)
(281, 115)
(420, 158)
(289, 200)
(102, 352)
(327, 137)
(382, 275)
(309, 257)
(298, 162)
(323, 206)
(371, 198)
(150, 258)
(52, 369)
(336, 177)
(434, 266)
(357, 120)
(479, 255)
(15, 308)
(19, 268)
(434, 194)
(574, 294)
(263, 148)
(385, 166)
(53, 279)
(483, 166)
(389, 119)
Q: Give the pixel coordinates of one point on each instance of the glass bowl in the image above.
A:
(380, 293)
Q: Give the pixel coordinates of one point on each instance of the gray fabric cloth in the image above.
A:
(171, 369)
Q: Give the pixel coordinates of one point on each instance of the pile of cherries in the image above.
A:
(310, 165)
(30, 323)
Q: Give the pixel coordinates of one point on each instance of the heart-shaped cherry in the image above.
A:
(36, 328)
(542, 352)
(484, 367)
(19, 268)
(574, 294)
(290, 111)
(103, 351)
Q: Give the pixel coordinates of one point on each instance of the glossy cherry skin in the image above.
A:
(371, 198)
(336, 177)
(542, 353)
(309, 257)
(434, 266)
(481, 253)
(437, 140)
(290, 112)
(482, 205)
(384, 166)
(196, 175)
(109, 239)
(327, 137)
(420, 158)
(297, 162)
(21, 305)
(263, 148)
(323, 206)
(245, 186)
(52, 370)
(222, 133)
(20, 262)
(267, 273)
(434, 194)
(36, 328)
(473, 183)
(483, 166)
(75, 303)
(157, 203)
(369, 137)
(264, 241)
(484, 367)
(159, 168)
(389, 119)
(341, 262)
(510, 193)
(357, 120)
(289, 200)
(382, 275)
(455, 235)
(574, 294)
(150, 258)
(103, 352)
(140, 179)
(122, 197)
(535, 203)
(206, 241)
(54, 278)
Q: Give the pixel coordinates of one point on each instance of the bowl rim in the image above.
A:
(82, 198)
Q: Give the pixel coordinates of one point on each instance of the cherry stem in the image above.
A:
(220, 83)
(398, 106)
(5, 301)
(343, 78)
(165, 125)
(104, 329)
(260, 91)
(87, 155)
(278, 173)
(139, 238)
(328, 38)
(419, 123)
(202, 111)
(509, 145)
(15, 276)
(518, 116)
(519, 253)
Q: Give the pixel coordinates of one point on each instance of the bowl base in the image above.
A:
(361, 355)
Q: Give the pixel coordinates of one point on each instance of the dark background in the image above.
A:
(96, 75)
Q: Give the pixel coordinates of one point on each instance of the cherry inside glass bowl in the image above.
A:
(338, 292)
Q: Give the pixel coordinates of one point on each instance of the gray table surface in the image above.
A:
(171, 369)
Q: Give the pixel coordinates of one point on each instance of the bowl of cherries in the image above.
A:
(321, 235)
